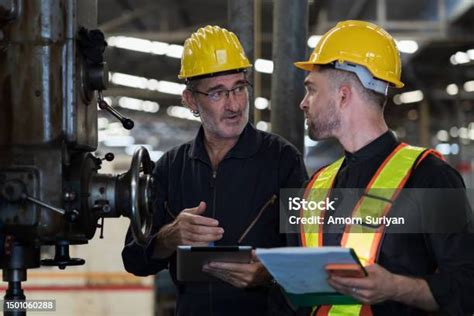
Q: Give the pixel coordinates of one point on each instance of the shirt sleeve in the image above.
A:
(138, 259)
(452, 285)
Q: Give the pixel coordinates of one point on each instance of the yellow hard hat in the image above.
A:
(361, 43)
(212, 50)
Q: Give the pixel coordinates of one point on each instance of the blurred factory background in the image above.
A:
(435, 108)
(434, 36)
(145, 38)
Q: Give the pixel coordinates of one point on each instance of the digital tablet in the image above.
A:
(190, 260)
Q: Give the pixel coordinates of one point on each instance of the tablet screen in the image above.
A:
(190, 260)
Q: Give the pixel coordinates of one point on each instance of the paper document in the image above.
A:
(302, 270)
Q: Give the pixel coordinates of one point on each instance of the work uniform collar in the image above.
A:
(381, 146)
(248, 144)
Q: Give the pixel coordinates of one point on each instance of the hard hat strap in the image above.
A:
(365, 77)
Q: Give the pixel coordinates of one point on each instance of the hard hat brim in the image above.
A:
(305, 65)
(309, 66)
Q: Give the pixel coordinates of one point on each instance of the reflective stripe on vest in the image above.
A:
(391, 176)
(317, 190)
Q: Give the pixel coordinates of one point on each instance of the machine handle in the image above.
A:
(126, 122)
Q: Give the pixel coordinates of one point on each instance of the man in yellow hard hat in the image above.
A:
(413, 272)
(222, 187)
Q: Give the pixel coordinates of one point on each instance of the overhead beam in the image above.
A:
(173, 36)
(356, 9)
(125, 18)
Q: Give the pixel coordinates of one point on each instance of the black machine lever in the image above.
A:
(71, 215)
(15, 191)
(62, 258)
(109, 157)
(126, 122)
(101, 226)
(43, 204)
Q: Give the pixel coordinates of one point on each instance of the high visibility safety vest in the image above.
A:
(391, 176)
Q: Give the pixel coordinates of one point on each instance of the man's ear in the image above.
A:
(188, 100)
(344, 96)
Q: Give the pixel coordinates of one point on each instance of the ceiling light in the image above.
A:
(146, 46)
(454, 149)
(313, 40)
(171, 87)
(263, 126)
(128, 80)
(469, 86)
(396, 99)
(149, 106)
(452, 89)
(261, 103)
(444, 148)
(159, 48)
(144, 83)
(454, 131)
(130, 43)
(442, 135)
(181, 112)
(411, 97)
(138, 104)
(264, 66)
(459, 58)
(175, 51)
(407, 46)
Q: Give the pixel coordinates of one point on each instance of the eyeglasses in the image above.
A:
(218, 95)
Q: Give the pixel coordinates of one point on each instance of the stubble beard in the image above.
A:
(324, 126)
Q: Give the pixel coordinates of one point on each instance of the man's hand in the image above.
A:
(188, 228)
(377, 287)
(381, 285)
(240, 275)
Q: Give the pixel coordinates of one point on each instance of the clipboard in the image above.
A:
(301, 272)
(190, 260)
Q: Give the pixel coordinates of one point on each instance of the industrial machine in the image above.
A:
(52, 75)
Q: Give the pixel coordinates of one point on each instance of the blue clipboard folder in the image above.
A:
(302, 274)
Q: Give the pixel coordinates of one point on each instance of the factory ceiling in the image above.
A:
(436, 36)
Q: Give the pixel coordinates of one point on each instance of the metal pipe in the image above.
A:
(240, 15)
(290, 27)
(257, 79)
(424, 127)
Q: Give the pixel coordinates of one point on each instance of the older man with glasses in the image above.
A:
(221, 188)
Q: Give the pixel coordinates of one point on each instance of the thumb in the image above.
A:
(254, 256)
(198, 209)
